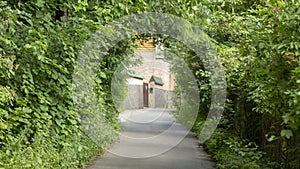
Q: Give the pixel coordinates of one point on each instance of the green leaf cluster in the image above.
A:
(39, 45)
(258, 42)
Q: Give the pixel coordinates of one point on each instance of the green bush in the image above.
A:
(44, 153)
(39, 126)
(230, 152)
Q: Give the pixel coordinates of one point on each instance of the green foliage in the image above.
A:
(260, 52)
(230, 152)
(258, 42)
(44, 153)
(39, 44)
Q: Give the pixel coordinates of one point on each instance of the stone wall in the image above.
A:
(134, 99)
(162, 98)
(158, 67)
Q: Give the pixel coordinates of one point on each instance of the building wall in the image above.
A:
(153, 64)
(157, 67)
(161, 98)
(134, 99)
(134, 81)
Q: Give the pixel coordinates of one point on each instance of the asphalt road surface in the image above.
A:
(152, 139)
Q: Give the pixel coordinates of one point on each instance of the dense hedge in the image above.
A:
(39, 44)
(231, 152)
(258, 44)
(40, 40)
(259, 48)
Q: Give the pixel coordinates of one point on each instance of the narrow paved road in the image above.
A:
(152, 139)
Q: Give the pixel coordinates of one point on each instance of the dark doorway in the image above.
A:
(145, 91)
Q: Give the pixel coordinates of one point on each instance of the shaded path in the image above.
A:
(151, 139)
